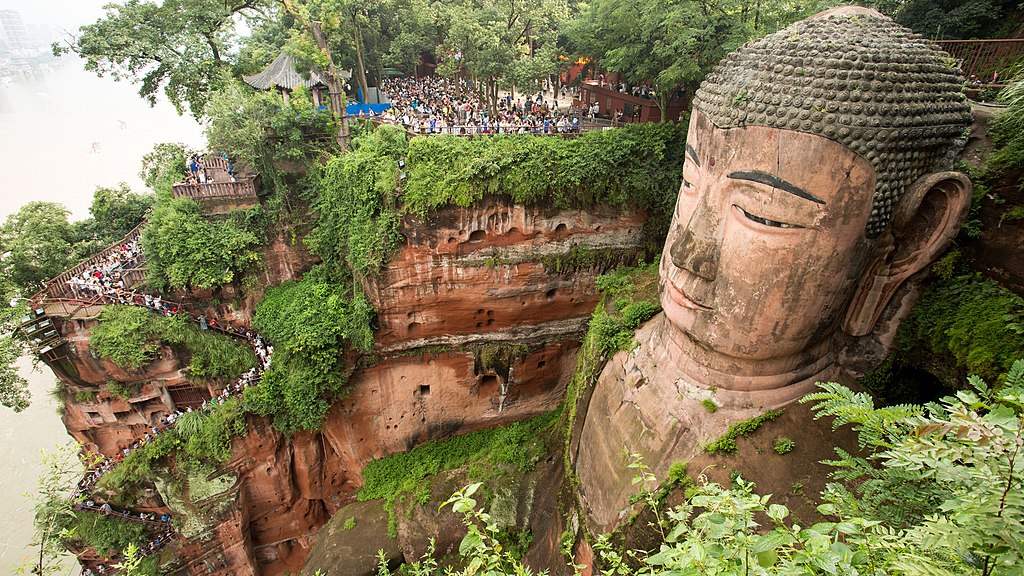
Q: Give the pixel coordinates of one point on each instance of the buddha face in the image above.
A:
(767, 242)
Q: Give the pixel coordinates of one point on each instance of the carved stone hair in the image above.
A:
(855, 77)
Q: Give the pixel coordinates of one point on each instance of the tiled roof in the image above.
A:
(282, 73)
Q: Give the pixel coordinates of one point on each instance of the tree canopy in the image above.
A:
(179, 47)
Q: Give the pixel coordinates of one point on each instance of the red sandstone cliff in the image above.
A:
(463, 279)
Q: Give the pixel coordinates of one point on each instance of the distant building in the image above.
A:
(14, 35)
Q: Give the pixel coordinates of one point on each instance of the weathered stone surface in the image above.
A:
(793, 231)
(475, 274)
(341, 551)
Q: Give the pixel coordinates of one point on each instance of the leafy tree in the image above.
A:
(511, 41)
(322, 22)
(13, 387)
(269, 34)
(953, 19)
(116, 211)
(54, 508)
(667, 43)
(37, 245)
(950, 474)
(418, 29)
(178, 46)
(184, 250)
(163, 166)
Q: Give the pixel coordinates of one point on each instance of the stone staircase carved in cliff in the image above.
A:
(63, 298)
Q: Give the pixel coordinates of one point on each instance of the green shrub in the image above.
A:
(125, 335)
(727, 443)
(85, 396)
(782, 446)
(638, 166)
(610, 335)
(295, 393)
(122, 390)
(635, 314)
(314, 317)
(709, 405)
(130, 336)
(677, 473)
(184, 249)
(1012, 215)
(206, 435)
(350, 523)
(108, 536)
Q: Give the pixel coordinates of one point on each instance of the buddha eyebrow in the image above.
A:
(774, 182)
(693, 155)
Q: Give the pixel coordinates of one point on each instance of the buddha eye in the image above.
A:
(765, 221)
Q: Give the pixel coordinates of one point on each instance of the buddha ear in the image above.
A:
(923, 226)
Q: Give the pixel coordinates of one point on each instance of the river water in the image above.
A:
(48, 128)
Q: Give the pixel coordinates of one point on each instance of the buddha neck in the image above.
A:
(703, 367)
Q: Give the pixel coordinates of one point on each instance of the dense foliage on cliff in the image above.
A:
(185, 249)
(310, 323)
(131, 335)
(357, 212)
(974, 322)
(403, 478)
(637, 166)
(357, 221)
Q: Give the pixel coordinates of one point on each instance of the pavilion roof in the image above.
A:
(283, 74)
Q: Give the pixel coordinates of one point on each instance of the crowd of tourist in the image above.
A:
(435, 105)
(103, 278)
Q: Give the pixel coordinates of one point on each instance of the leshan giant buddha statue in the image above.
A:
(816, 182)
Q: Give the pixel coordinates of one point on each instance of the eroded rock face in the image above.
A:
(444, 308)
(478, 274)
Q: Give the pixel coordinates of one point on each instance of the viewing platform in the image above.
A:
(221, 192)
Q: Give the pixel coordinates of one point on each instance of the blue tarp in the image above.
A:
(355, 109)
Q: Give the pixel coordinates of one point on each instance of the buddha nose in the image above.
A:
(697, 249)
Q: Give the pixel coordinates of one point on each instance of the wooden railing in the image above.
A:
(246, 188)
(985, 61)
(60, 287)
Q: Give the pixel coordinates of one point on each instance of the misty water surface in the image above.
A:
(47, 131)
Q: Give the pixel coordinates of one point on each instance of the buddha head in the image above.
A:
(817, 180)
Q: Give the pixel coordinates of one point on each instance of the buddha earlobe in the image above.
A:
(923, 226)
